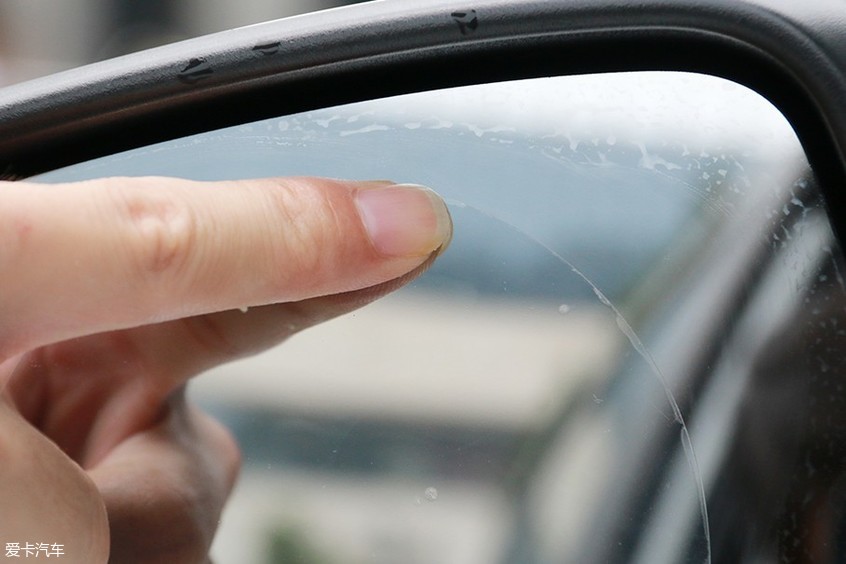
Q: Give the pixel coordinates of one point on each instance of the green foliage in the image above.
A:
(287, 545)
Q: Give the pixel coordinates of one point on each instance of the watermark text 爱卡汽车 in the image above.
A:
(34, 550)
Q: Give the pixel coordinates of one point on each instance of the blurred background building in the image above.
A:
(38, 37)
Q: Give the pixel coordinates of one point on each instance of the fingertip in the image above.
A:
(404, 220)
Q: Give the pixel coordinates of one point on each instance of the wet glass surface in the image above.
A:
(631, 351)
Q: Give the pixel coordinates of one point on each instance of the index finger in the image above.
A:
(83, 258)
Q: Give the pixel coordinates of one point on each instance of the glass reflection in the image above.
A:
(629, 353)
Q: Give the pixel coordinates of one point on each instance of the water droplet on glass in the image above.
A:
(455, 203)
(430, 494)
(563, 309)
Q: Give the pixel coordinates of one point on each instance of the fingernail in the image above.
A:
(403, 220)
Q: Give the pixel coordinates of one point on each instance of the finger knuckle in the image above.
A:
(312, 230)
(179, 529)
(162, 232)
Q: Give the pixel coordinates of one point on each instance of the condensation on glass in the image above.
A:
(631, 352)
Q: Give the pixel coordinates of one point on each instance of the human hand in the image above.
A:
(117, 291)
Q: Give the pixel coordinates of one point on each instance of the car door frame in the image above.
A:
(794, 54)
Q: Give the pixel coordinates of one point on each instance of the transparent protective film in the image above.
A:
(629, 352)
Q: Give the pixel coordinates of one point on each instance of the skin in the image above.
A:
(116, 292)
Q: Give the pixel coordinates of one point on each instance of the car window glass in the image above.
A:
(620, 358)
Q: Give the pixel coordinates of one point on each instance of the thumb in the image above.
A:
(46, 497)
